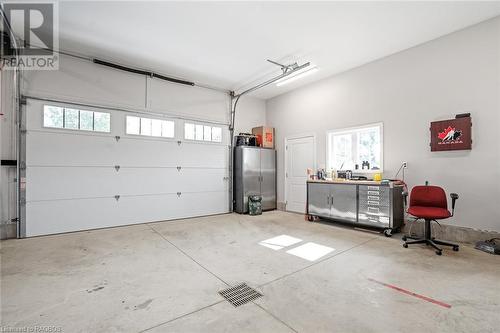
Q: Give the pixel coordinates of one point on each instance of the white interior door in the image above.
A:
(300, 155)
(80, 180)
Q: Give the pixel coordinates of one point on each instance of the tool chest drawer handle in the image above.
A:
(376, 188)
(374, 203)
(373, 209)
(373, 193)
(370, 197)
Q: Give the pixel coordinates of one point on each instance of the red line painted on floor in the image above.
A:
(407, 292)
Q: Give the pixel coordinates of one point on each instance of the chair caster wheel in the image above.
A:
(455, 248)
(405, 245)
(404, 238)
(439, 252)
(387, 232)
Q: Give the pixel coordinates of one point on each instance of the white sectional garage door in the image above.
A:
(80, 180)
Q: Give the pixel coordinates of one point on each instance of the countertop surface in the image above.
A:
(356, 182)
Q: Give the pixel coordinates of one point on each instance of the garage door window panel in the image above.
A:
(189, 131)
(53, 116)
(205, 133)
(74, 119)
(102, 122)
(146, 126)
(198, 134)
(86, 120)
(133, 125)
(71, 119)
(216, 134)
(167, 129)
(150, 127)
(155, 127)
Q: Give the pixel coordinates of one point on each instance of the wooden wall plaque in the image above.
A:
(452, 134)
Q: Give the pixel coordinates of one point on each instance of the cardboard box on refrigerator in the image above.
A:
(265, 136)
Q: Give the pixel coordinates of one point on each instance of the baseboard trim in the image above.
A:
(445, 232)
(449, 232)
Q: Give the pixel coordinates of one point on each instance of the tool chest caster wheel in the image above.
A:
(405, 245)
(388, 232)
(439, 252)
(455, 248)
(404, 238)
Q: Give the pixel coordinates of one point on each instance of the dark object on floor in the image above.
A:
(240, 294)
(489, 246)
(429, 203)
(255, 205)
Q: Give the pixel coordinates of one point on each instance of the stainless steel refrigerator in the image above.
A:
(254, 174)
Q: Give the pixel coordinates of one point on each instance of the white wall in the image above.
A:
(250, 113)
(406, 91)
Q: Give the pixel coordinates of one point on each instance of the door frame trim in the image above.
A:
(294, 137)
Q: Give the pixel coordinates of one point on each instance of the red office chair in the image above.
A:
(429, 203)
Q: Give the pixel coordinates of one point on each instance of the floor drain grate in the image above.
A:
(240, 294)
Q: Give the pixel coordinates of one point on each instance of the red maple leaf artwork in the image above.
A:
(447, 133)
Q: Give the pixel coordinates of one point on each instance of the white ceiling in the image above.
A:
(226, 44)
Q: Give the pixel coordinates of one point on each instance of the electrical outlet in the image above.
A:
(405, 165)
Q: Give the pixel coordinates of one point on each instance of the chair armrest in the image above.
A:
(454, 198)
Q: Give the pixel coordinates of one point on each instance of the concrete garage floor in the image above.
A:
(164, 277)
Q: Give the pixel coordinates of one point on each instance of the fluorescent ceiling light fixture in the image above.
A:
(279, 242)
(310, 251)
(298, 75)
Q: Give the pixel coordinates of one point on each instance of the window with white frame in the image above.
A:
(199, 132)
(74, 119)
(150, 127)
(359, 149)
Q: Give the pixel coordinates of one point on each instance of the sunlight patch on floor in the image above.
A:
(310, 251)
(279, 242)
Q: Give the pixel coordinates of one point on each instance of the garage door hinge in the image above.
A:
(179, 142)
(117, 167)
(179, 194)
(23, 100)
(117, 197)
(22, 165)
(23, 131)
(117, 138)
(179, 168)
(22, 201)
